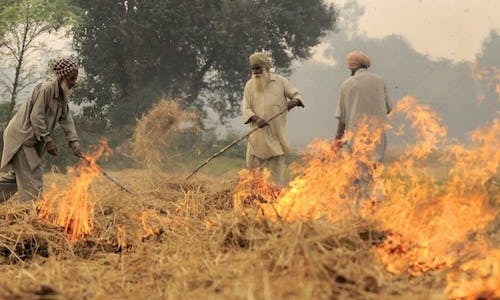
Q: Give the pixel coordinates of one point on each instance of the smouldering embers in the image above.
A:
(433, 222)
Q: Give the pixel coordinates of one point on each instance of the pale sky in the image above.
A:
(452, 29)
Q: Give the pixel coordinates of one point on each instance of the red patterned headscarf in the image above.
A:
(65, 67)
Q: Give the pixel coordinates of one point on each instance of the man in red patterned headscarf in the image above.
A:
(29, 133)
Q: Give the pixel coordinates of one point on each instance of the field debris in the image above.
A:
(192, 244)
(157, 130)
(409, 235)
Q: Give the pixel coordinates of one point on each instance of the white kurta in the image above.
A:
(364, 96)
(271, 140)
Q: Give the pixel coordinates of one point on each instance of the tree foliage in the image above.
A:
(22, 24)
(487, 69)
(134, 52)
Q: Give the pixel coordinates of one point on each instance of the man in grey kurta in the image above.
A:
(362, 111)
(265, 95)
(29, 133)
(363, 98)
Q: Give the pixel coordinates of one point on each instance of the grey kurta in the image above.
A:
(364, 95)
(271, 140)
(32, 126)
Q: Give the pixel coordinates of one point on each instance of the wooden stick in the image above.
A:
(111, 178)
(233, 143)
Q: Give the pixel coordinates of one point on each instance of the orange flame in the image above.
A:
(431, 223)
(70, 208)
(143, 216)
(326, 186)
(476, 279)
(121, 236)
(152, 224)
(254, 187)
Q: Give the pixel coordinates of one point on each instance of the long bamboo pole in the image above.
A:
(232, 144)
(109, 177)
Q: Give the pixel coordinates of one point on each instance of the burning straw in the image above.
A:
(71, 207)
(175, 239)
(430, 224)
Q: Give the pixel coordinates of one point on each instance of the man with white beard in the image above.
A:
(29, 133)
(265, 95)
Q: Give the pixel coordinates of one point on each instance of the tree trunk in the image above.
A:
(20, 60)
(197, 80)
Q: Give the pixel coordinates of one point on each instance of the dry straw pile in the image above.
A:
(175, 239)
(157, 130)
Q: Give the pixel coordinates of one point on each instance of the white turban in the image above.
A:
(261, 59)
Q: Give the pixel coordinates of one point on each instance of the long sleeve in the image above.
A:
(388, 102)
(341, 112)
(291, 92)
(68, 126)
(37, 116)
(247, 109)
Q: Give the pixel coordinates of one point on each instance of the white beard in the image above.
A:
(261, 82)
(66, 90)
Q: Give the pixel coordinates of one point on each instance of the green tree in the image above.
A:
(22, 25)
(134, 52)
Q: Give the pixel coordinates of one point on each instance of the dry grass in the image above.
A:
(185, 240)
(177, 239)
(157, 130)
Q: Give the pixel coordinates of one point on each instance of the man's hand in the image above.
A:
(258, 121)
(51, 148)
(77, 151)
(294, 102)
